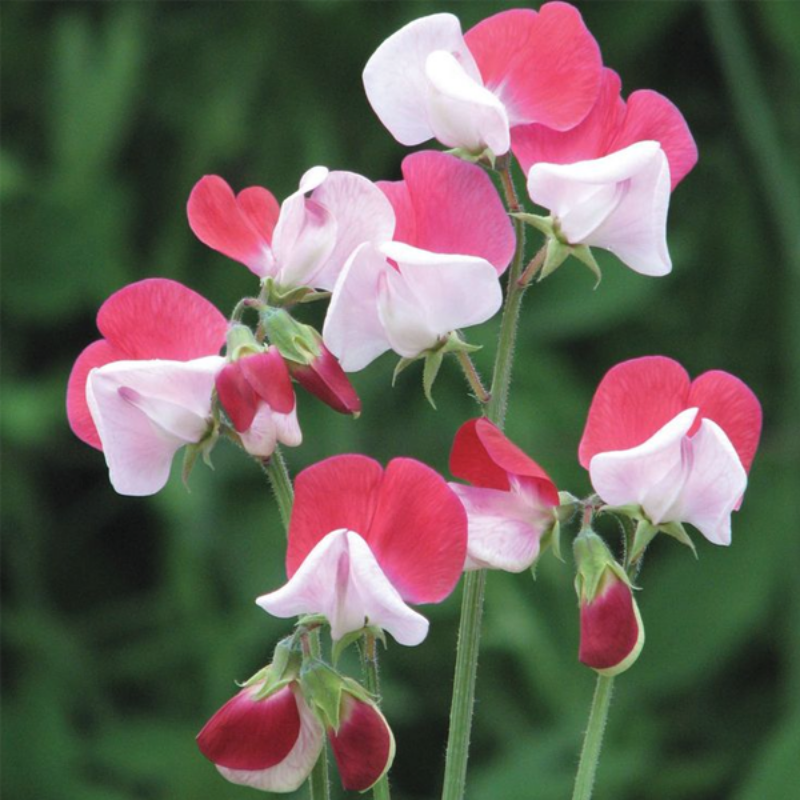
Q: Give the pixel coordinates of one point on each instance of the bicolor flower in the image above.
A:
(364, 542)
(452, 240)
(145, 389)
(607, 182)
(428, 80)
(510, 505)
(679, 450)
(303, 242)
(612, 632)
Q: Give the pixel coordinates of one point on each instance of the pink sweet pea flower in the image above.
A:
(510, 503)
(364, 542)
(429, 80)
(607, 182)
(257, 395)
(452, 241)
(144, 390)
(679, 449)
(303, 242)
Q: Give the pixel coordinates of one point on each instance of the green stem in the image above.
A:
(473, 378)
(319, 787)
(593, 740)
(281, 485)
(369, 663)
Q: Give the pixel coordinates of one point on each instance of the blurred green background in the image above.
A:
(126, 621)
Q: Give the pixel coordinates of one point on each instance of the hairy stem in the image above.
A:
(593, 740)
(369, 664)
(473, 378)
(281, 484)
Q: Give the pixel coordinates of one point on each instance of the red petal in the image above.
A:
(609, 628)
(159, 318)
(80, 419)
(405, 229)
(456, 209)
(237, 396)
(339, 492)
(730, 403)
(363, 747)
(218, 221)
(249, 734)
(483, 456)
(269, 377)
(261, 208)
(326, 379)
(650, 116)
(544, 67)
(419, 532)
(589, 140)
(634, 400)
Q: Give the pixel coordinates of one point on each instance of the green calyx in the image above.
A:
(277, 296)
(241, 342)
(595, 565)
(295, 341)
(284, 669)
(485, 158)
(645, 530)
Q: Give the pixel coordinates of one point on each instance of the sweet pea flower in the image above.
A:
(364, 542)
(607, 182)
(511, 502)
(678, 449)
(303, 242)
(428, 80)
(452, 241)
(144, 390)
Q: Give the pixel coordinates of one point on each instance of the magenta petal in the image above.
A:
(268, 375)
(650, 116)
(730, 403)
(545, 67)
(634, 400)
(325, 379)
(160, 318)
(419, 532)
(339, 492)
(250, 734)
(363, 746)
(236, 396)
(405, 217)
(455, 208)
(218, 221)
(80, 419)
(260, 208)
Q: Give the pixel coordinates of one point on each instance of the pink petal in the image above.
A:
(353, 331)
(545, 67)
(730, 403)
(261, 208)
(236, 396)
(325, 379)
(651, 116)
(447, 205)
(269, 378)
(339, 492)
(395, 81)
(246, 734)
(159, 318)
(363, 746)
(341, 579)
(291, 773)
(221, 222)
(287, 428)
(589, 140)
(634, 400)
(418, 532)
(80, 419)
(269, 428)
(483, 456)
(612, 634)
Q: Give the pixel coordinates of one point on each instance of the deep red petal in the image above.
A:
(609, 628)
(218, 221)
(456, 209)
(268, 375)
(419, 532)
(634, 400)
(326, 379)
(261, 209)
(236, 396)
(339, 492)
(251, 735)
(730, 403)
(160, 318)
(80, 419)
(545, 67)
(363, 746)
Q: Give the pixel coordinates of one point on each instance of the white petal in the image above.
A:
(288, 428)
(341, 579)
(395, 81)
(290, 773)
(145, 411)
(461, 111)
(353, 331)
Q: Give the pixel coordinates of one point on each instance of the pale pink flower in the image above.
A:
(428, 80)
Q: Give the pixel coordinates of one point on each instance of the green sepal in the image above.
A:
(485, 157)
(544, 224)
(567, 506)
(322, 687)
(593, 559)
(433, 362)
(358, 691)
(295, 340)
(342, 644)
(311, 621)
(557, 254)
(584, 254)
(274, 295)
(287, 658)
(202, 448)
(644, 534)
(677, 531)
(258, 677)
(240, 342)
(402, 364)
(270, 687)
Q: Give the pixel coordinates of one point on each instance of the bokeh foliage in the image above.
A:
(126, 621)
